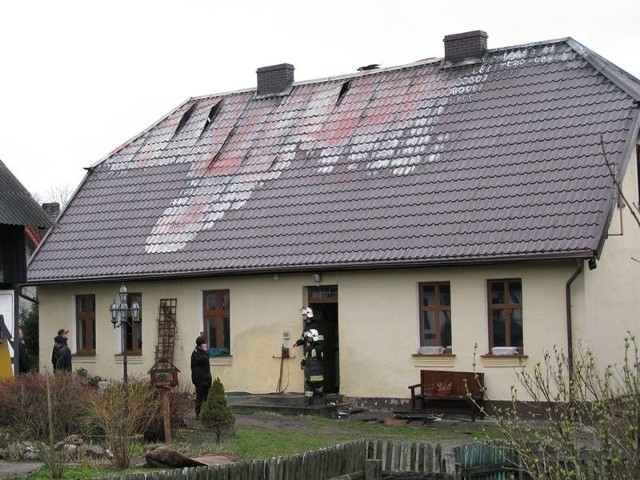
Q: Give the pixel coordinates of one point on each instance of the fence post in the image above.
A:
(373, 470)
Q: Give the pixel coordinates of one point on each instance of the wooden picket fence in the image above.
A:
(349, 461)
(479, 461)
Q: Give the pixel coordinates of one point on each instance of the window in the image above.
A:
(435, 315)
(86, 324)
(505, 313)
(216, 315)
(134, 330)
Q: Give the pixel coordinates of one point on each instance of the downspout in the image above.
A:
(569, 326)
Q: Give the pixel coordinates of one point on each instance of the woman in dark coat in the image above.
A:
(200, 372)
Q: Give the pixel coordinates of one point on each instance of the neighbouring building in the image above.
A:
(465, 202)
(20, 215)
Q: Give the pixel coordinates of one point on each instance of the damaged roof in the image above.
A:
(498, 158)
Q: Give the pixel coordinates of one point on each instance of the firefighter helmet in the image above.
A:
(308, 312)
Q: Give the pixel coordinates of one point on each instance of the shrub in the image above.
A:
(23, 406)
(180, 407)
(124, 411)
(591, 425)
(216, 414)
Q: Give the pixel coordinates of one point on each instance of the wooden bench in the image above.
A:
(467, 389)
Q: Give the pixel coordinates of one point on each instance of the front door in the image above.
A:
(324, 303)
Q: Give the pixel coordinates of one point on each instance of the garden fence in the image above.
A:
(348, 461)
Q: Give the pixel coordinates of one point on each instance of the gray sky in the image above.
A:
(81, 77)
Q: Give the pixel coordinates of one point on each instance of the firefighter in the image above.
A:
(312, 364)
(308, 323)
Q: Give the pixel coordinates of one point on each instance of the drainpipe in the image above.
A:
(569, 327)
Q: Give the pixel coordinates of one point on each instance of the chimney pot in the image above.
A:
(460, 46)
(274, 79)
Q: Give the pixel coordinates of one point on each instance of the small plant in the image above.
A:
(216, 414)
(444, 385)
(91, 380)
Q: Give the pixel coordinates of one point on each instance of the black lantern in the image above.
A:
(122, 314)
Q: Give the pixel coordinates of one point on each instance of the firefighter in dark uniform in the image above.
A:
(308, 323)
(312, 364)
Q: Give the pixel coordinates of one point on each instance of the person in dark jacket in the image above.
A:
(63, 355)
(24, 364)
(64, 333)
(308, 323)
(313, 366)
(200, 372)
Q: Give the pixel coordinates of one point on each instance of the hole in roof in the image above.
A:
(213, 113)
(185, 118)
(343, 91)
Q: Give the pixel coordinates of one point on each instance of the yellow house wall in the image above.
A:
(378, 326)
(609, 305)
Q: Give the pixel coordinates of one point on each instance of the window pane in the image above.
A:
(445, 329)
(323, 292)
(226, 340)
(428, 295)
(497, 293)
(82, 333)
(429, 332)
(516, 327)
(445, 294)
(211, 331)
(211, 301)
(515, 292)
(499, 338)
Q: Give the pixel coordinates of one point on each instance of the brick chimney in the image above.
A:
(461, 46)
(274, 79)
(52, 209)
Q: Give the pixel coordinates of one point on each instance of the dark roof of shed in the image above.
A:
(17, 206)
(423, 164)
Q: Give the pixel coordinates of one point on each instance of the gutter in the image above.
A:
(569, 319)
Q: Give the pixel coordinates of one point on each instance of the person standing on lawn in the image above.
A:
(201, 372)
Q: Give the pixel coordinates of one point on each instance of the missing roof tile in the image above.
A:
(213, 113)
(343, 91)
(185, 118)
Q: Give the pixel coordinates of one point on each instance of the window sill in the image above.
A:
(445, 354)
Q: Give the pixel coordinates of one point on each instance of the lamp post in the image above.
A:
(120, 313)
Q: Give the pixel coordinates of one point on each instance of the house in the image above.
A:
(465, 202)
(19, 215)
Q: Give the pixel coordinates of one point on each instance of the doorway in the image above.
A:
(324, 303)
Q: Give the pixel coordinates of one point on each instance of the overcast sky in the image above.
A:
(81, 77)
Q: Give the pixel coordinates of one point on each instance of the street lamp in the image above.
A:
(122, 314)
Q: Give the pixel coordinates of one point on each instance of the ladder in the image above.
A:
(166, 329)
